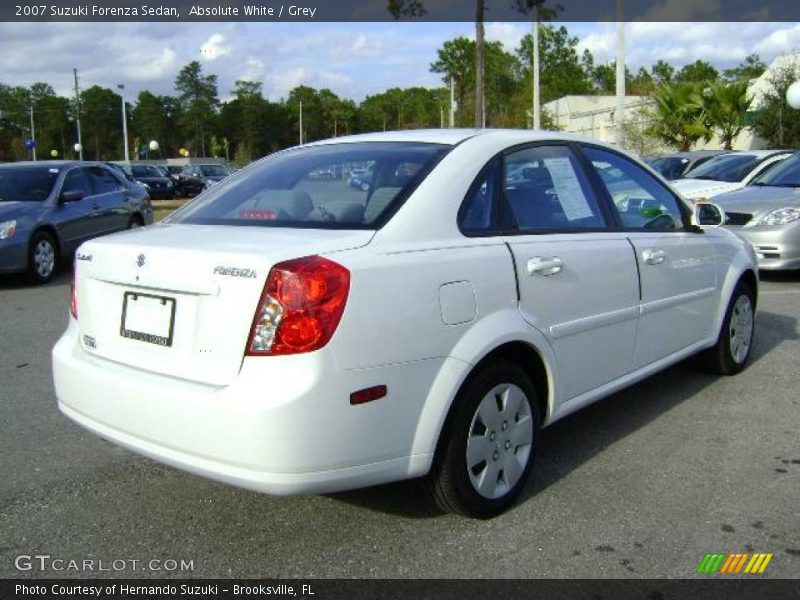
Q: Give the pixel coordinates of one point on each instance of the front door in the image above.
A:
(676, 264)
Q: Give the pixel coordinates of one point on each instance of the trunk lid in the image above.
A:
(180, 299)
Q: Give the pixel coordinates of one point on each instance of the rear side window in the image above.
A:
(477, 214)
(104, 181)
(546, 190)
(346, 185)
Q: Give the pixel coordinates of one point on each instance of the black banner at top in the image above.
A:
(402, 10)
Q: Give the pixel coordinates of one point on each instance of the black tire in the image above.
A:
(723, 358)
(450, 482)
(135, 222)
(42, 258)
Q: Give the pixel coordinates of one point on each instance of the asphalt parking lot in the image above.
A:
(640, 485)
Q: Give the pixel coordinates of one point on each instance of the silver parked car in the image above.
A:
(767, 214)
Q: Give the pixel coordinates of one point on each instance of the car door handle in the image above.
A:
(538, 265)
(654, 256)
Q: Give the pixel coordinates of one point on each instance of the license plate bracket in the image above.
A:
(148, 318)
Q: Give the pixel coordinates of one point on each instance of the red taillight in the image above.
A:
(73, 296)
(300, 308)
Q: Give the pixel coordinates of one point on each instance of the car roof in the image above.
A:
(452, 137)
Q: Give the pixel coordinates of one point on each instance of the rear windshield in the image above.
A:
(26, 184)
(731, 168)
(670, 167)
(342, 186)
(785, 174)
(214, 171)
(146, 171)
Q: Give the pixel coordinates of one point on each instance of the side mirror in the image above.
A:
(707, 214)
(71, 195)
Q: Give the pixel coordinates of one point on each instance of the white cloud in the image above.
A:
(510, 34)
(215, 47)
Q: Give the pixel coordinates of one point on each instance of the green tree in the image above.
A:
(101, 121)
(699, 71)
(561, 70)
(197, 93)
(751, 68)
(663, 72)
(149, 121)
(677, 118)
(725, 107)
(775, 121)
(456, 62)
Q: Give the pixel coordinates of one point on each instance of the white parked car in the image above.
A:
(291, 335)
(727, 173)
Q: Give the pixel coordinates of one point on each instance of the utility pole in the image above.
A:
(301, 122)
(452, 115)
(620, 112)
(78, 114)
(441, 117)
(121, 87)
(33, 135)
(536, 121)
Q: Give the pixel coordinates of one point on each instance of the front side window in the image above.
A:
(546, 190)
(77, 180)
(287, 190)
(640, 200)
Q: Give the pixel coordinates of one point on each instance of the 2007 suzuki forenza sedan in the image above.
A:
(289, 333)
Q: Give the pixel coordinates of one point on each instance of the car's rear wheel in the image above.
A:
(135, 222)
(484, 461)
(731, 353)
(42, 257)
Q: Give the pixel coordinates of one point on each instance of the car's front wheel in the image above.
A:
(42, 258)
(487, 454)
(731, 353)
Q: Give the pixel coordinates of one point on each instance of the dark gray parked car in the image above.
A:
(48, 208)
(676, 165)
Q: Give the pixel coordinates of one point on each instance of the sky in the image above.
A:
(352, 59)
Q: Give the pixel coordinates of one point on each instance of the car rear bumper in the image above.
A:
(280, 428)
(776, 248)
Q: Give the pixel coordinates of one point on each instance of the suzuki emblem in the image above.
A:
(140, 260)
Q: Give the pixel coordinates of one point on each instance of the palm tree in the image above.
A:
(678, 118)
(724, 108)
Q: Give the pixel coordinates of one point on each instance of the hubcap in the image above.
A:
(44, 258)
(741, 329)
(499, 442)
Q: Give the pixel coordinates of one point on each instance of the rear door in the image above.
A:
(76, 219)
(676, 263)
(113, 212)
(578, 283)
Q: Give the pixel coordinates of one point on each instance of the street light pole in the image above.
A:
(620, 112)
(121, 87)
(451, 115)
(536, 122)
(78, 115)
(301, 122)
(33, 135)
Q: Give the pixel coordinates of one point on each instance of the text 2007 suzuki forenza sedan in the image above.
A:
(289, 333)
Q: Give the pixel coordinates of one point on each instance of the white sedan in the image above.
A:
(290, 334)
(727, 173)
